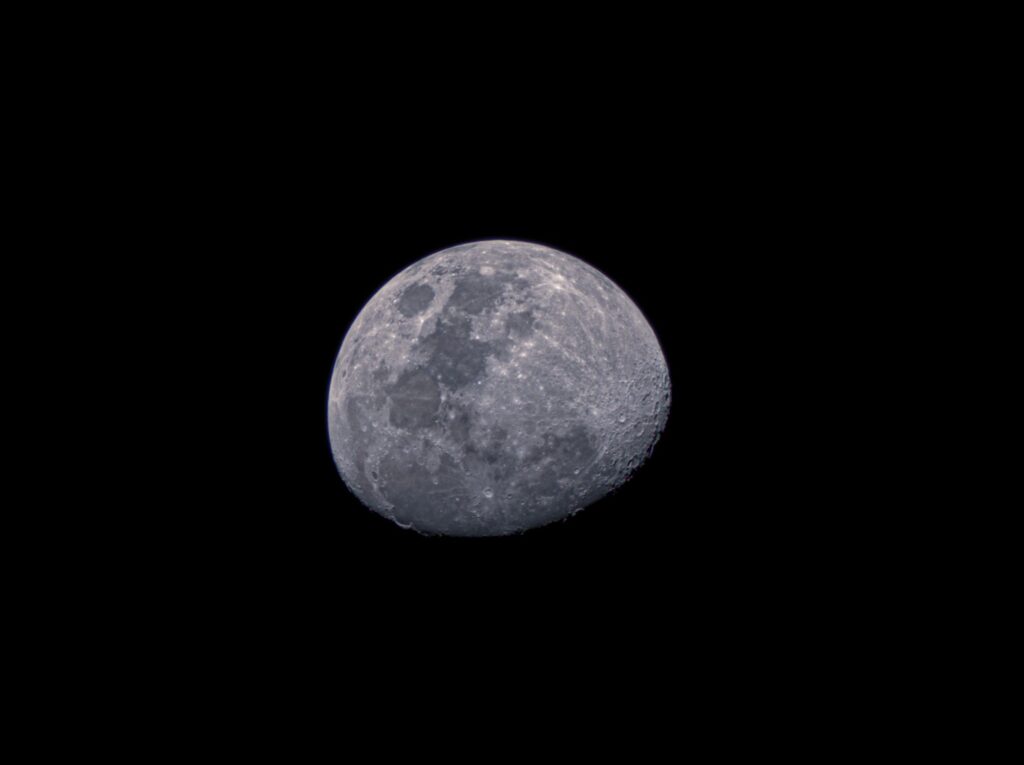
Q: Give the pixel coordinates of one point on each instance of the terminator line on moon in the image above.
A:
(492, 388)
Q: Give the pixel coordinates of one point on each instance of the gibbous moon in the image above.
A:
(492, 388)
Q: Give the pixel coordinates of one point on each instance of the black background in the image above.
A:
(237, 194)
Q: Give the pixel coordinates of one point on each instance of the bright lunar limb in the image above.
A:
(492, 388)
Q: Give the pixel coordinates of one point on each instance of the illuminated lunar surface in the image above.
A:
(492, 388)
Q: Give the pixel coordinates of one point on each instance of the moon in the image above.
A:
(492, 388)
